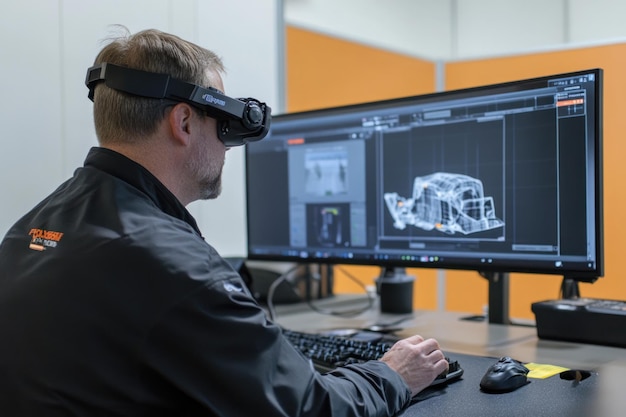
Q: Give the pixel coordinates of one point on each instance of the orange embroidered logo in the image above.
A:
(42, 239)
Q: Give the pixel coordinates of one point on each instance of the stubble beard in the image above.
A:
(209, 181)
(211, 188)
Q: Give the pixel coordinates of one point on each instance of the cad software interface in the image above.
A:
(499, 175)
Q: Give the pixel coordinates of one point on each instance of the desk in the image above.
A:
(478, 344)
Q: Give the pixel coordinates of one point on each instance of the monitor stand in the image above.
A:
(395, 288)
(569, 286)
(498, 311)
(569, 289)
(498, 297)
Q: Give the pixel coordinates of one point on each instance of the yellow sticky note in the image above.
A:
(543, 371)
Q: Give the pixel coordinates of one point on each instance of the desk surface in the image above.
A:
(482, 342)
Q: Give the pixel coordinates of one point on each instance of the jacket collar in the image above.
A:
(129, 171)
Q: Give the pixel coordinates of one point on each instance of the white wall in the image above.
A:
(46, 117)
(246, 34)
(420, 28)
(462, 29)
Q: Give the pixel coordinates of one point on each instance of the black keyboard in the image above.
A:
(328, 352)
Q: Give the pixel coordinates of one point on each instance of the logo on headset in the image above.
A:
(210, 99)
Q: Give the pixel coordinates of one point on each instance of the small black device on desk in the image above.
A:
(587, 320)
(328, 352)
(505, 375)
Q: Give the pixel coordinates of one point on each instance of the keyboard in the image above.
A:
(328, 352)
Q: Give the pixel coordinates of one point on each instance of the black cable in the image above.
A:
(345, 313)
(272, 289)
(340, 313)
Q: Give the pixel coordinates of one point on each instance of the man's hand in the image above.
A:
(418, 361)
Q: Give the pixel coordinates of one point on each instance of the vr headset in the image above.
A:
(239, 121)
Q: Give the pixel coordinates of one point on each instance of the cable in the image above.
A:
(272, 289)
(340, 313)
(345, 313)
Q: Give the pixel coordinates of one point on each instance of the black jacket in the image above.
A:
(112, 304)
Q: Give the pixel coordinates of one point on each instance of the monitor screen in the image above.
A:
(505, 177)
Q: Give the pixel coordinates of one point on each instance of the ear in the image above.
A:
(179, 119)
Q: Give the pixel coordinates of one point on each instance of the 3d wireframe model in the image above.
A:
(450, 203)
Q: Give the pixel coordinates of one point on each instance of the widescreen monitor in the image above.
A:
(500, 178)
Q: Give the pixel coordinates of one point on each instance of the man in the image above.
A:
(111, 302)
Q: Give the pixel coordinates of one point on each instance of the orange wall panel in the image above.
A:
(323, 71)
(527, 288)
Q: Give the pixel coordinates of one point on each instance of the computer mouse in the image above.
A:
(504, 376)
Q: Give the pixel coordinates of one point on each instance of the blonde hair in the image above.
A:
(120, 116)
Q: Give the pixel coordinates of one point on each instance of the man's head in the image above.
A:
(120, 116)
(175, 140)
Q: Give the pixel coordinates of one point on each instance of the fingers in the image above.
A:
(442, 366)
(414, 340)
(429, 349)
(424, 346)
(417, 360)
(426, 349)
(433, 354)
